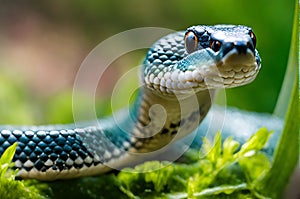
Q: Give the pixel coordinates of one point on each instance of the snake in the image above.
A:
(179, 77)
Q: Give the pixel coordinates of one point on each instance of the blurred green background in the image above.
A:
(44, 42)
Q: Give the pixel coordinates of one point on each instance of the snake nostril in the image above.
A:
(241, 47)
(227, 47)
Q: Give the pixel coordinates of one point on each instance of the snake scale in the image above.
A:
(179, 76)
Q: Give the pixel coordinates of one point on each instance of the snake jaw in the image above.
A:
(238, 69)
(206, 70)
(234, 69)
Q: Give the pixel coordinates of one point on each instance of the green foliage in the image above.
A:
(5, 162)
(158, 178)
(256, 142)
(11, 188)
(221, 172)
(101, 187)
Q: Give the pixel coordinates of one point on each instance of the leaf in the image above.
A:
(213, 152)
(159, 177)
(6, 158)
(127, 177)
(152, 173)
(255, 166)
(229, 148)
(11, 188)
(256, 142)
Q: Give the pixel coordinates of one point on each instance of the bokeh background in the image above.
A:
(42, 44)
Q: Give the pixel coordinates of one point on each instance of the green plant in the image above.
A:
(11, 188)
(222, 171)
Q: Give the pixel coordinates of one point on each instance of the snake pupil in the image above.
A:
(215, 45)
(190, 42)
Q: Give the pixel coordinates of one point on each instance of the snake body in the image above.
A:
(179, 76)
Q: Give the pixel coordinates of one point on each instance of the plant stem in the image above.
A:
(287, 151)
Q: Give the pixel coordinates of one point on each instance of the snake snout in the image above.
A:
(239, 47)
(242, 47)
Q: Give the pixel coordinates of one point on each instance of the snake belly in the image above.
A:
(180, 74)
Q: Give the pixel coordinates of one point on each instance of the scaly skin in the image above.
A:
(180, 73)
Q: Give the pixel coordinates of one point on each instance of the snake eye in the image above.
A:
(253, 38)
(215, 45)
(190, 42)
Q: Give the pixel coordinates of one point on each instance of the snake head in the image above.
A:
(208, 57)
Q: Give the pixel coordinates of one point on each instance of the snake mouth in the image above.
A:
(232, 70)
(236, 69)
(206, 70)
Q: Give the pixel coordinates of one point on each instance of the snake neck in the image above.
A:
(157, 120)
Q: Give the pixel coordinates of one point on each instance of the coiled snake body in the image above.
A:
(179, 75)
